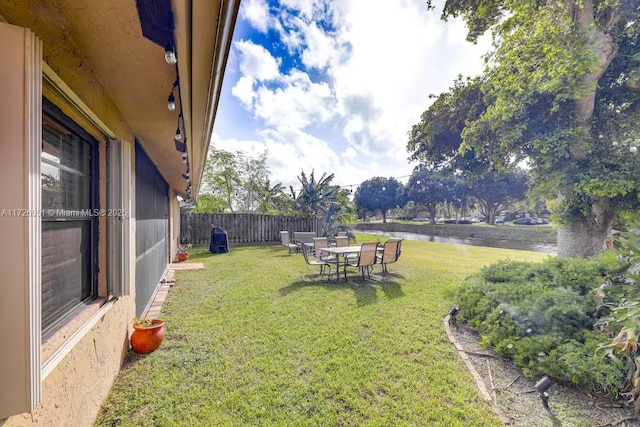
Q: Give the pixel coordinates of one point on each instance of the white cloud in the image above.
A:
(257, 62)
(308, 9)
(291, 151)
(257, 12)
(244, 91)
(298, 102)
(364, 73)
(399, 54)
(320, 47)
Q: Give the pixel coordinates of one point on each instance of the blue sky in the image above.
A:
(334, 86)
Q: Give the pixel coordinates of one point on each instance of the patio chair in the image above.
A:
(311, 260)
(342, 241)
(289, 243)
(365, 260)
(390, 253)
(305, 237)
(318, 244)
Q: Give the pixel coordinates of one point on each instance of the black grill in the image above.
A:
(219, 243)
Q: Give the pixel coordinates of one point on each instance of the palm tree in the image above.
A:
(323, 200)
(315, 197)
(270, 199)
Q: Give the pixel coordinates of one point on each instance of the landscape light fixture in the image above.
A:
(453, 311)
(542, 386)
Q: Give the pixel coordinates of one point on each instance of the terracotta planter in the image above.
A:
(183, 257)
(146, 339)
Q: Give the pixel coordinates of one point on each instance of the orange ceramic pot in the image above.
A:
(146, 339)
(183, 257)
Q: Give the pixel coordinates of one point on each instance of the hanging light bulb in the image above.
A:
(170, 54)
(184, 159)
(178, 135)
(184, 156)
(171, 105)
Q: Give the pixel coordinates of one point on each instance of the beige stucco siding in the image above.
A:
(73, 392)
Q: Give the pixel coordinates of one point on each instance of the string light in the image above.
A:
(171, 58)
(171, 100)
(170, 54)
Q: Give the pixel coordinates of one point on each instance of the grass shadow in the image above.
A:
(364, 291)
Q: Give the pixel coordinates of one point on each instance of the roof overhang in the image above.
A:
(98, 47)
(203, 34)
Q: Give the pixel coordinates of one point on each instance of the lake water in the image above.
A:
(492, 243)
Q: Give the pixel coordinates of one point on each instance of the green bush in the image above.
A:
(542, 315)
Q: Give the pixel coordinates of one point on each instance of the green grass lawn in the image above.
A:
(256, 339)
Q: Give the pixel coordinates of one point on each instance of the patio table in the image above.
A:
(342, 251)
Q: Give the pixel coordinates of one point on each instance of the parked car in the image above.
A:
(540, 220)
(420, 219)
(525, 221)
(499, 220)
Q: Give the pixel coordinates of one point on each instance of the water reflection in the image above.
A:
(492, 243)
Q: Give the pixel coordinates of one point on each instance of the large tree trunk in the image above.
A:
(586, 237)
(604, 49)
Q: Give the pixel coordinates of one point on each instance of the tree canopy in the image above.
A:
(378, 193)
(493, 191)
(561, 91)
(427, 189)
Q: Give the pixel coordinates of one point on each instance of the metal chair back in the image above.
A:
(368, 254)
(342, 241)
(304, 236)
(390, 253)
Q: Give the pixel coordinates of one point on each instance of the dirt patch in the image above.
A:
(520, 404)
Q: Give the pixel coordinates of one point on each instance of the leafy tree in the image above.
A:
(494, 191)
(378, 193)
(271, 199)
(427, 189)
(459, 193)
(315, 197)
(221, 177)
(236, 181)
(321, 199)
(254, 175)
(208, 202)
(562, 91)
(437, 138)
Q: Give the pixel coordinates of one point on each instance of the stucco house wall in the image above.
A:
(91, 62)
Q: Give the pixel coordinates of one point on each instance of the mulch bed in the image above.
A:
(515, 398)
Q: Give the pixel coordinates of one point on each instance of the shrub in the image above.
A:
(542, 315)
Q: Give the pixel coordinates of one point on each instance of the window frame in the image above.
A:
(54, 113)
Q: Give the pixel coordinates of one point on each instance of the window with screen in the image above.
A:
(69, 187)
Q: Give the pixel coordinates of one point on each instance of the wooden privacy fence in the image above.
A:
(242, 228)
